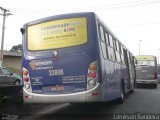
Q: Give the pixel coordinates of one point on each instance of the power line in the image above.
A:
(128, 4)
(122, 5)
(135, 25)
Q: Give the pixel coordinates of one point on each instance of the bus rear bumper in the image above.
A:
(147, 81)
(93, 95)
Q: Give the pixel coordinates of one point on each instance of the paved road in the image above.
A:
(145, 100)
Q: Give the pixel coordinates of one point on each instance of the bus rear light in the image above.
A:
(155, 76)
(25, 73)
(92, 67)
(27, 86)
(92, 78)
(26, 97)
(26, 79)
(92, 82)
(94, 94)
(92, 74)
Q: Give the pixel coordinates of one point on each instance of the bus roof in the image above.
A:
(61, 16)
(145, 57)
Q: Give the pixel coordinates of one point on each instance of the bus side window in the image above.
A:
(117, 53)
(119, 46)
(122, 55)
(129, 59)
(107, 39)
(114, 49)
(111, 49)
(103, 42)
(122, 49)
(102, 33)
(111, 40)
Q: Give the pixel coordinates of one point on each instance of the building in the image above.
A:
(12, 60)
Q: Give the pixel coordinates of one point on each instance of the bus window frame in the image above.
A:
(111, 41)
(101, 29)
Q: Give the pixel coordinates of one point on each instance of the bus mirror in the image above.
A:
(135, 61)
(22, 31)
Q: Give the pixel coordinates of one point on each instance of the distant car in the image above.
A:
(9, 78)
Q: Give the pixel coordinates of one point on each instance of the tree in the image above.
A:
(17, 48)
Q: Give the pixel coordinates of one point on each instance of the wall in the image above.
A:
(12, 60)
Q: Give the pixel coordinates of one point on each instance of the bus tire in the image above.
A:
(132, 90)
(155, 85)
(137, 86)
(122, 94)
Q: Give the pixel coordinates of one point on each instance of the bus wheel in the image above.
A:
(132, 90)
(155, 86)
(122, 94)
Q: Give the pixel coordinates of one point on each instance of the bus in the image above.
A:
(146, 70)
(74, 58)
(159, 73)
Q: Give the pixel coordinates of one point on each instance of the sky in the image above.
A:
(134, 22)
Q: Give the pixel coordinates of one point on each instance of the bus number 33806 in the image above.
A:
(56, 72)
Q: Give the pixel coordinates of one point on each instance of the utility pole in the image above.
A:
(4, 14)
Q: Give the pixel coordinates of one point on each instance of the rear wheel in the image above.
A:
(122, 94)
(155, 85)
(132, 90)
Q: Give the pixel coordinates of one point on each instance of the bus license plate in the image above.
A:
(143, 70)
(57, 88)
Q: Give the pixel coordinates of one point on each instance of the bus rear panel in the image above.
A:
(60, 60)
(146, 70)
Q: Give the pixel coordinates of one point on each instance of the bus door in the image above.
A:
(126, 59)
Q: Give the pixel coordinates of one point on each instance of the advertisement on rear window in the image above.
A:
(145, 58)
(57, 34)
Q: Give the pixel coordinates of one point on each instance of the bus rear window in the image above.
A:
(57, 34)
(148, 62)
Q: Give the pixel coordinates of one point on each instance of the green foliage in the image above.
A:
(5, 99)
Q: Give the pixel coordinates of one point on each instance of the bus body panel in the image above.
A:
(68, 72)
(112, 74)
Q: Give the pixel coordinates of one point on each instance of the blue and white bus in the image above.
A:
(74, 58)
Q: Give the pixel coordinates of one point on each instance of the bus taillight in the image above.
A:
(25, 76)
(25, 73)
(26, 79)
(92, 74)
(92, 67)
(27, 85)
(92, 82)
(92, 78)
(155, 76)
